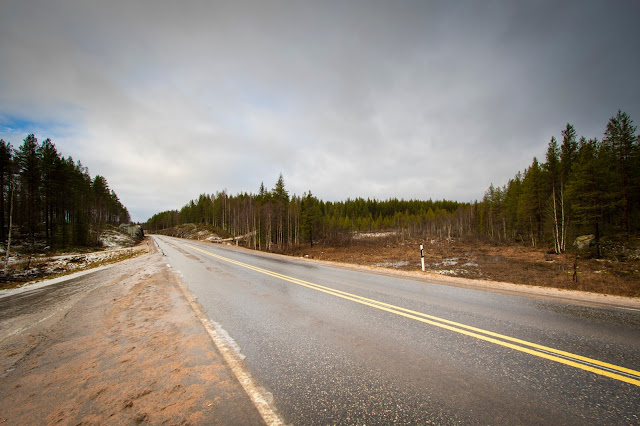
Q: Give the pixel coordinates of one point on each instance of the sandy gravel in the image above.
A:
(129, 350)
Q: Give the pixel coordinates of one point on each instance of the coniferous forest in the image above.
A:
(583, 187)
(48, 199)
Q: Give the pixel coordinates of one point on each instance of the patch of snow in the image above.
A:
(452, 272)
(360, 235)
(392, 264)
(115, 239)
(448, 262)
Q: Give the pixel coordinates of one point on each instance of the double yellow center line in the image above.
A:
(588, 364)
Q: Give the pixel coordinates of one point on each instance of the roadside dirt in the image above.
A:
(486, 262)
(131, 351)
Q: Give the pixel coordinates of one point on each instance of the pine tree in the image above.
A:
(6, 177)
(281, 199)
(553, 170)
(81, 205)
(100, 198)
(588, 188)
(51, 187)
(568, 151)
(530, 208)
(512, 196)
(311, 217)
(28, 159)
(279, 191)
(620, 138)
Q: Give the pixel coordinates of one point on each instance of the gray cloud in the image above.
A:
(360, 98)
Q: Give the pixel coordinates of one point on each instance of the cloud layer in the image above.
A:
(374, 99)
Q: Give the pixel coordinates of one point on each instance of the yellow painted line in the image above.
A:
(478, 333)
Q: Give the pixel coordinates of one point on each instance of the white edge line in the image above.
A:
(628, 309)
(231, 353)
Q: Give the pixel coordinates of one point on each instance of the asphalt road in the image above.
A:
(339, 346)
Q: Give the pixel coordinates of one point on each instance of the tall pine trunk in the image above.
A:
(556, 236)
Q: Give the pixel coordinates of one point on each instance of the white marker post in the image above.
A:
(422, 256)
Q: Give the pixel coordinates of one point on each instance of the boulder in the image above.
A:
(583, 242)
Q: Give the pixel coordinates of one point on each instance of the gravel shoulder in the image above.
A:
(118, 345)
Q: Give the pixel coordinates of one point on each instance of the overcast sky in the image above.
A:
(407, 99)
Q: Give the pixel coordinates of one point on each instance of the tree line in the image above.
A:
(275, 221)
(583, 187)
(45, 197)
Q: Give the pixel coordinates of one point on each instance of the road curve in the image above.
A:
(335, 345)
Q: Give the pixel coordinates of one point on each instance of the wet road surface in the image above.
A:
(335, 345)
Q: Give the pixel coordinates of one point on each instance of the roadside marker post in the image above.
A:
(422, 256)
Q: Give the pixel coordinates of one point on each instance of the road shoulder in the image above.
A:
(575, 297)
(132, 350)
